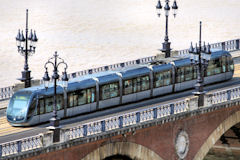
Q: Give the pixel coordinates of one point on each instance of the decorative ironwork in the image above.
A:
(200, 56)
(166, 45)
(26, 49)
(54, 121)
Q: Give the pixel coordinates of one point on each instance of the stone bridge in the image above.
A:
(172, 131)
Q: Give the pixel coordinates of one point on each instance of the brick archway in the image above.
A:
(216, 134)
(132, 150)
(117, 157)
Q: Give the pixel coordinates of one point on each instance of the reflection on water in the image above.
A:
(95, 33)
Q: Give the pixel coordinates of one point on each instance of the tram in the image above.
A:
(93, 92)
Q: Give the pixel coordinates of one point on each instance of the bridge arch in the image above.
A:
(216, 134)
(132, 150)
(118, 157)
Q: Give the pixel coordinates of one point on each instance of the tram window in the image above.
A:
(72, 100)
(158, 79)
(180, 75)
(41, 105)
(93, 93)
(109, 91)
(167, 78)
(210, 68)
(59, 102)
(49, 104)
(230, 64)
(145, 83)
(188, 73)
(223, 64)
(128, 87)
(134, 85)
(113, 90)
(162, 79)
(75, 99)
(137, 85)
(194, 69)
(217, 66)
(90, 95)
(82, 97)
(105, 92)
(31, 109)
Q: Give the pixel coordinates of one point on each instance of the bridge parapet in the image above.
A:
(126, 120)
(21, 145)
(223, 96)
(6, 93)
(123, 123)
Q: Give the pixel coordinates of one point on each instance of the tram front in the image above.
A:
(18, 107)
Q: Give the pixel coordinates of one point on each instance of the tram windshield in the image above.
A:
(18, 106)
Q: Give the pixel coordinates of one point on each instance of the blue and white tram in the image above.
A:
(92, 92)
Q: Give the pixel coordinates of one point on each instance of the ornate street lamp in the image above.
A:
(200, 57)
(54, 121)
(26, 48)
(166, 45)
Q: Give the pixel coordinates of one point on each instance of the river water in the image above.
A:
(92, 33)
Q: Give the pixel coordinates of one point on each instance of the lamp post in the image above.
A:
(166, 45)
(26, 49)
(200, 57)
(54, 121)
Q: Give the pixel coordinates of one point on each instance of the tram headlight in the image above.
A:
(18, 118)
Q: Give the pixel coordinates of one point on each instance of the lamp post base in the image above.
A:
(166, 49)
(54, 126)
(200, 98)
(26, 77)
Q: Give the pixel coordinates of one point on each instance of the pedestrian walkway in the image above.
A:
(3, 104)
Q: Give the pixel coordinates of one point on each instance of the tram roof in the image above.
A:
(218, 52)
(182, 62)
(133, 72)
(163, 67)
(87, 83)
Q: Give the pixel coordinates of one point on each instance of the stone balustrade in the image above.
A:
(21, 145)
(6, 93)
